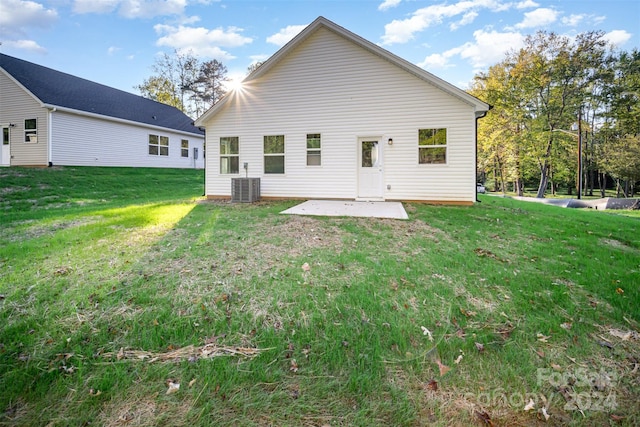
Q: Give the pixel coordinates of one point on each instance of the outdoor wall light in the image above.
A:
(12, 125)
(390, 141)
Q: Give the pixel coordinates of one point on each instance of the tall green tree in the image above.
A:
(186, 82)
(160, 89)
(554, 73)
(620, 133)
(208, 87)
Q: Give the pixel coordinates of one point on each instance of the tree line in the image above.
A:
(566, 113)
(185, 82)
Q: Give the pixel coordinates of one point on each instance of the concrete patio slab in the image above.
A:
(393, 210)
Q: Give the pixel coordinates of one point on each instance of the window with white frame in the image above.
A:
(158, 145)
(229, 155)
(314, 156)
(274, 154)
(184, 148)
(31, 130)
(432, 146)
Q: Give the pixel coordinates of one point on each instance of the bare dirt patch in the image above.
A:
(30, 229)
(616, 244)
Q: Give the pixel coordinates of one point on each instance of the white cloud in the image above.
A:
(258, 58)
(284, 35)
(202, 41)
(131, 8)
(617, 37)
(112, 50)
(467, 19)
(403, 30)
(437, 60)
(18, 16)
(488, 48)
(538, 18)
(388, 4)
(28, 45)
(527, 4)
(573, 20)
(92, 6)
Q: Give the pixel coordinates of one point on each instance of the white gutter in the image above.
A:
(117, 120)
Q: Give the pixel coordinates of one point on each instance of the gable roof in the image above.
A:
(480, 107)
(60, 90)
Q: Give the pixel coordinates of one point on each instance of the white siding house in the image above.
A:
(52, 118)
(333, 116)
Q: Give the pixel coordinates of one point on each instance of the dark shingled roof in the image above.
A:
(64, 90)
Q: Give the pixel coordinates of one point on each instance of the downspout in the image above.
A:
(204, 162)
(476, 156)
(50, 137)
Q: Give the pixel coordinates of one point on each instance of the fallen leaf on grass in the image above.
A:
(620, 291)
(173, 386)
(192, 382)
(467, 313)
(566, 325)
(427, 332)
(487, 253)
(62, 271)
(484, 417)
(458, 360)
(623, 335)
(542, 338)
(545, 414)
(479, 347)
(529, 406)
(615, 417)
(93, 392)
(432, 385)
(306, 267)
(556, 367)
(443, 368)
(293, 367)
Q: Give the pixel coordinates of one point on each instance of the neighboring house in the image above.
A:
(334, 116)
(52, 118)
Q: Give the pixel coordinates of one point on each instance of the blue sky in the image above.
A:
(115, 42)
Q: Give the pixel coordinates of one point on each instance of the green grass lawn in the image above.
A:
(128, 300)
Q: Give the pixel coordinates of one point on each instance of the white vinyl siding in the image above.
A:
(347, 92)
(113, 144)
(18, 105)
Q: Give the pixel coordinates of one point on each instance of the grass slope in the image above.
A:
(116, 285)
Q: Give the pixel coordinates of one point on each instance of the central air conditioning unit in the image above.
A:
(245, 190)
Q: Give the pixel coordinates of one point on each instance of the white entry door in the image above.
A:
(369, 169)
(5, 151)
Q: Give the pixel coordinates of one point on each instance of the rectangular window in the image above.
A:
(184, 148)
(432, 146)
(158, 145)
(229, 154)
(274, 154)
(31, 130)
(314, 157)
